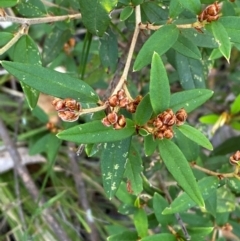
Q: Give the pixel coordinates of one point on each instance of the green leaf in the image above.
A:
(192, 5)
(221, 36)
(178, 166)
(159, 204)
(184, 202)
(175, 8)
(209, 119)
(226, 200)
(150, 145)
(186, 47)
(144, 111)
(133, 171)
(33, 8)
(113, 160)
(215, 54)
(199, 233)
(126, 236)
(166, 35)
(231, 25)
(235, 106)
(190, 72)
(96, 132)
(159, 85)
(189, 99)
(108, 50)
(196, 136)
(204, 39)
(126, 13)
(26, 51)
(141, 222)
(5, 37)
(8, 3)
(51, 82)
(160, 237)
(53, 44)
(95, 15)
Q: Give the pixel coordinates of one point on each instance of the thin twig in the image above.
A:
(123, 78)
(177, 215)
(82, 196)
(29, 184)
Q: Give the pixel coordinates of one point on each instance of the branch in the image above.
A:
(29, 184)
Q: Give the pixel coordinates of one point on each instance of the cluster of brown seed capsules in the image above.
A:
(164, 122)
(115, 102)
(68, 109)
(210, 13)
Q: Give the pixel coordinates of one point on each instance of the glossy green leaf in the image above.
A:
(231, 25)
(53, 44)
(178, 166)
(199, 233)
(209, 119)
(192, 5)
(154, 13)
(175, 8)
(160, 237)
(33, 8)
(221, 36)
(196, 136)
(108, 50)
(150, 145)
(234, 184)
(226, 200)
(202, 39)
(235, 106)
(51, 82)
(159, 204)
(190, 72)
(26, 51)
(95, 15)
(126, 236)
(186, 47)
(126, 13)
(113, 160)
(133, 171)
(166, 35)
(5, 37)
(141, 222)
(8, 3)
(184, 202)
(144, 111)
(215, 54)
(159, 88)
(96, 132)
(189, 99)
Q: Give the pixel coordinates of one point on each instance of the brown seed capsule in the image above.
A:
(181, 116)
(158, 135)
(113, 101)
(121, 120)
(121, 94)
(167, 117)
(168, 134)
(210, 13)
(72, 42)
(235, 158)
(68, 116)
(58, 104)
(106, 122)
(131, 107)
(72, 104)
(123, 102)
(112, 117)
(157, 123)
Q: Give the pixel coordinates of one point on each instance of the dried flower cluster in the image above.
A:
(210, 13)
(68, 109)
(116, 101)
(165, 121)
(235, 158)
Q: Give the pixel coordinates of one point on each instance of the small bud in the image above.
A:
(68, 116)
(113, 101)
(72, 42)
(181, 116)
(235, 158)
(121, 94)
(112, 117)
(58, 104)
(106, 122)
